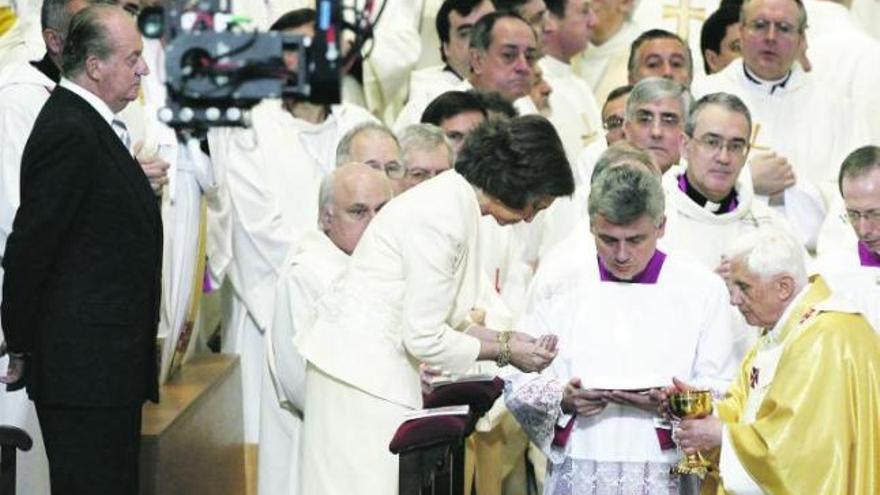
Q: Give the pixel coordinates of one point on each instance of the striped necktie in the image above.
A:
(122, 132)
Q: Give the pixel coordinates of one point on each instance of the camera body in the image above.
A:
(216, 72)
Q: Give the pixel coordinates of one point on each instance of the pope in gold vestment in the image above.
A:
(817, 429)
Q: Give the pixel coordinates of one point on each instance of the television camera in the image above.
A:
(216, 70)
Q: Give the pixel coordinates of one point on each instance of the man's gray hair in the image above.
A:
(622, 153)
(624, 194)
(325, 194)
(801, 20)
(653, 89)
(424, 137)
(859, 163)
(53, 15)
(87, 37)
(343, 149)
(768, 251)
(727, 101)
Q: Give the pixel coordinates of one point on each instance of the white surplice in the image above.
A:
(573, 109)
(271, 174)
(867, 14)
(305, 277)
(604, 67)
(615, 335)
(803, 121)
(846, 277)
(844, 59)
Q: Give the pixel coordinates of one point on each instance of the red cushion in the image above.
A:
(428, 431)
(479, 395)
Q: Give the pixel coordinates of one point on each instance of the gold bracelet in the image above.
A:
(504, 354)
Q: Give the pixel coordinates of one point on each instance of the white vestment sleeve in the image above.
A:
(715, 363)
(263, 240)
(294, 307)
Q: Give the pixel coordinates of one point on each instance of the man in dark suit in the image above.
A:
(83, 265)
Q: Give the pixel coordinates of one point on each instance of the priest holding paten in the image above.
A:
(804, 413)
(633, 319)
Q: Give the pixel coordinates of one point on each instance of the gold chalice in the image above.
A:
(691, 404)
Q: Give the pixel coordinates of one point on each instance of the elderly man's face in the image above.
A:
(613, 114)
(381, 153)
(717, 151)
(456, 51)
(508, 64)
(658, 128)
(422, 165)
(771, 40)
(459, 126)
(356, 200)
(625, 250)
(861, 195)
(118, 78)
(760, 300)
(663, 57)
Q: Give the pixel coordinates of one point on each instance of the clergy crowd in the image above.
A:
(605, 203)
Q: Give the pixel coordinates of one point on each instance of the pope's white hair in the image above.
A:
(768, 251)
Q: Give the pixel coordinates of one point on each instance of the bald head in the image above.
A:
(349, 199)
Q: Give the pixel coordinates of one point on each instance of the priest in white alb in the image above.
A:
(633, 320)
(272, 174)
(853, 269)
(574, 112)
(503, 51)
(603, 64)
(806, 128)
(454, 22)
(350, 197)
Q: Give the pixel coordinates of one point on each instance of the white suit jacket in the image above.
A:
(408, 289)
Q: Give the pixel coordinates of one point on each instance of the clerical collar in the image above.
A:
(727, 205)
(448, 68)
(647, 276)
(868, 257)
(48, 68)
(774, 85)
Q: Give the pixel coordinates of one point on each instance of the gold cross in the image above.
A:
(684, 14)
(753, 142)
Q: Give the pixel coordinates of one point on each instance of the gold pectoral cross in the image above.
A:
(684, 14)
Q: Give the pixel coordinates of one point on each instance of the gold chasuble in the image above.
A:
(817, 428)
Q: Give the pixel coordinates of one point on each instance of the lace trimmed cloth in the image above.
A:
(534, 400)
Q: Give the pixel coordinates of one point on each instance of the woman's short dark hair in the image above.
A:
(517, 161)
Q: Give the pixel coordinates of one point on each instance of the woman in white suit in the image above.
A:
(405, 299)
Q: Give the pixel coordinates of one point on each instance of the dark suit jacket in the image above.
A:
(83, 264)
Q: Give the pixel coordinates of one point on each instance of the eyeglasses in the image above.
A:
(645, 118)
(420, 174)
(872, 216)
(714, 144)
(762, 27)
(613, 123)
(394, 170)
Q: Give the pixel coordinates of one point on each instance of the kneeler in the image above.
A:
(11, 439)
(431, 449)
